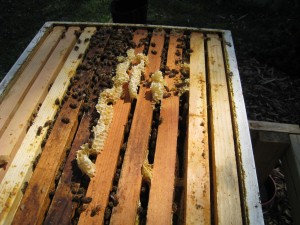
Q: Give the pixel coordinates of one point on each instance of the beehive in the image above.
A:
(186, 159)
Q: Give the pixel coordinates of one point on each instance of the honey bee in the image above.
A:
(24, 187)
(179, 85)
(75, 95)
(180, 39)
(86, 200)
(174, 207)
(43, 143)
(50, 87)
(154, 52)
(77, 33)
(189, 50)
(81, 209)
(48, 123)
(171, 75)
(90, 144)
(63, 35)
(107, 213)
(65, 120)
(57, 102)
(73, 105)
(166, 95)
(167, 88)
(115, 199)
(180, 46)
(81, 190)
(39, 130)
(95, 211)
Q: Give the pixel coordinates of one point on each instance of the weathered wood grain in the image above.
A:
(62, 207)
(131, 177)
(16, 130)
(32, 210)
(160, 210)
(17, 92)
(21, 167)
(36, 198)
(106, 162)
(274, 127)
(252, 211)
(227, 207)
(13, 74)
(197, 151)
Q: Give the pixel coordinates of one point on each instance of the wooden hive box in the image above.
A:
(184, 160)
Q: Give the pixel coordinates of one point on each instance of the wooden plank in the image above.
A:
(225, 179)
(16, 130)
(42, 180)
(36, 198)
(274, 127)
(17, 92)
(197, 155)
(291, 166)
(106, 162)
(131, 177)
(160, 210)
(11, 139)
(252, 211)
(62, 208)
(14, 72)
(21, 167)
(268, 148)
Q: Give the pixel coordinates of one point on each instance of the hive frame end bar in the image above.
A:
(247, 172)
(11, 74)
(97, 24)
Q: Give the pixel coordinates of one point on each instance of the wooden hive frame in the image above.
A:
(229, 169)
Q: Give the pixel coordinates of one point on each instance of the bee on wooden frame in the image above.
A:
(95, 211)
